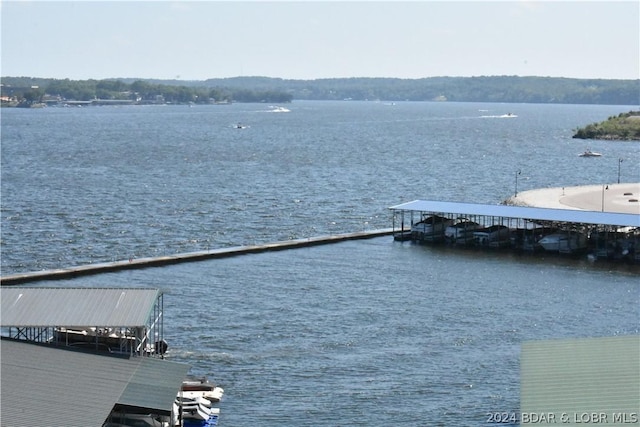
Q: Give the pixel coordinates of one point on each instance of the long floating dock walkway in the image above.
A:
(596, 208)
(137, 263)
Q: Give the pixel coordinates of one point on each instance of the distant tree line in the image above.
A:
(34, 90)
(510, 89)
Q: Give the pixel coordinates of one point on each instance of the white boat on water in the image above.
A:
(551, 242)
(278, 109)
(194, 402)
(589, 153)
(212, 396)
(200, 387)
(431, 228)
(526, 239)
(461, 231)
(496, 116)
(565, 242)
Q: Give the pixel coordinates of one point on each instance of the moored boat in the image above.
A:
(213, 396)
(619, 244)
(197, 411)
(197, 414)
(461, 231)
(493, 236)
(183, 400)
(194, 402)
(112, 340)
(430, 229)
(201, 387)
(527, 239)
(565, 242)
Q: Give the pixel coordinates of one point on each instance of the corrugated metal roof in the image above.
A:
(579, 377)
(536, 214)
(76, 307)
(154, 385)
(44, 385)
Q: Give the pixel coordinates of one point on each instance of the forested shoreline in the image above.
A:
(623, 127)
(29, 91)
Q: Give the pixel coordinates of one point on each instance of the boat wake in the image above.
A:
(276, 109)
(502, 116)
(219, 357)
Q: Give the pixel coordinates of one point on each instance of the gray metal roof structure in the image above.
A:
(77, 307)
(154, 385)
(45, 385)
(573, 378)
(535, 214)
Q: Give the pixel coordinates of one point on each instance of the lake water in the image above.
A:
(355, 333)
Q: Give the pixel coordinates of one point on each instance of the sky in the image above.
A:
(307, 40)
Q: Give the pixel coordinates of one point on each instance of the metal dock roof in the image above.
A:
(77, 307)
(45, 385)
(582, 376)
(154, 385)
(535, 214)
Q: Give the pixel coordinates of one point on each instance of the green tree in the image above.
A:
(34, 95)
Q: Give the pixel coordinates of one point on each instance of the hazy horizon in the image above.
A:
(280, 78)
(311, 40)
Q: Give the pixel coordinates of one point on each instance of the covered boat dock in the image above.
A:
(127, 321)
(51, 376)
(605, 234)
